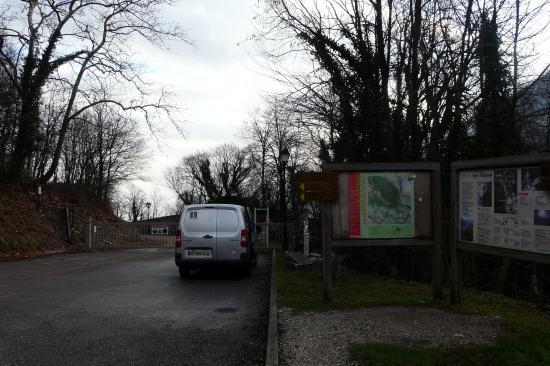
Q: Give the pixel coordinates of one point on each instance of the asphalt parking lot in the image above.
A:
(130, 307)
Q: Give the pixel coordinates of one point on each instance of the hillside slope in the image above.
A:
(26, 231)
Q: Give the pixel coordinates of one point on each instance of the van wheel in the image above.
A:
(184, 272)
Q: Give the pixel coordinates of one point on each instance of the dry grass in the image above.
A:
(24, 231)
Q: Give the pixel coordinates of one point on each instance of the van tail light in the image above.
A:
(244, 238)
(178, 238)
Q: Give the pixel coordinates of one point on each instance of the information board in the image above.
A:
(381, 205)
(504, 207)
(384, 205)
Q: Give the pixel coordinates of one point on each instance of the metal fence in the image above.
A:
(275, 232)
(131, 235)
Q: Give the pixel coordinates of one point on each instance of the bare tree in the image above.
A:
(9, 110)
(219, 175)
(257, 133)
(183, 184)
(174, 208)
(118, 204)
(347, 46)
(135, 204)
(534, 113)
(102, 149)
(84, 46)
(269, 131)
(157, 203)
(388, 80)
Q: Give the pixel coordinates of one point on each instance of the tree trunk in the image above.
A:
(415, 139)
(26, 135)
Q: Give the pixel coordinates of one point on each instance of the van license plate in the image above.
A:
(198, 253)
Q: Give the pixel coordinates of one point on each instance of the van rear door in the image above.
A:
(229, 234)
(199, 233)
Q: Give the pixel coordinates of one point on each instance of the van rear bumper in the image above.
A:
(244, 260)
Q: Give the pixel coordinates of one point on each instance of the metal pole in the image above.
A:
(548, 132)
(285, 242)
(437, 260)
(327, 249)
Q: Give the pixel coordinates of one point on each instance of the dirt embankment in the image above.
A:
(30, 226)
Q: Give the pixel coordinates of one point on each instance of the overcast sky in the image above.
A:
(217, 81)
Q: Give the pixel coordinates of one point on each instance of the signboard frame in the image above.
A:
(517, 161)
(434, 169)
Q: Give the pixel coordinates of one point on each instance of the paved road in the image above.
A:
(130, 308)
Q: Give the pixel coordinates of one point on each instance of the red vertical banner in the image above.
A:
(354, 209)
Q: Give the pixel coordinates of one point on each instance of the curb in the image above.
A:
(33, 255)
(272, 354)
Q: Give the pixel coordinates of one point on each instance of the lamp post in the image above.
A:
(548, 131)
(294, 218)
(284, 155)
(148, 205)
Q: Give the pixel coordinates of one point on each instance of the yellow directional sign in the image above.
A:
(314, 186)
(302, 192)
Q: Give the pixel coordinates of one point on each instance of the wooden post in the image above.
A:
(455, 271)
(437, 261)
(38, 206)
(69, 224)
(327, 249)
(88, 236)
(502, 273)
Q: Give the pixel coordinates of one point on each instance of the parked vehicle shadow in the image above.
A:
(223, 273)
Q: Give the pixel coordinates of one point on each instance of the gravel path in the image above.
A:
(323, 338)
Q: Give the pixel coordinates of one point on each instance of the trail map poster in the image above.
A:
(381, 205)
(506, 208)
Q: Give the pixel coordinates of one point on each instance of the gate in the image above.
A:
(130, 235)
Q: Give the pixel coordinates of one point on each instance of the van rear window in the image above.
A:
(228, 221)
(200, 221)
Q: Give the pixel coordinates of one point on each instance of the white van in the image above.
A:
(212, 235)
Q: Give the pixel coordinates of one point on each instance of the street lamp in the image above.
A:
(284, 155)
(148, 205)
